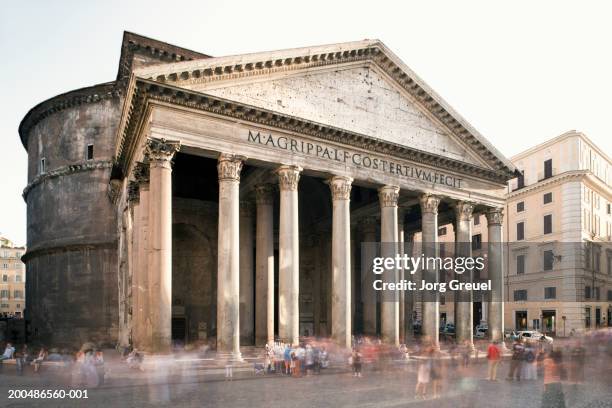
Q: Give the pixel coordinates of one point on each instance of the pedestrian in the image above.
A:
(309, 359)
(553, 372)
(466, 352)
(229, 371)
(516, 361)
(296, 364)
(356, 359)
(287, 357)
(9, 352)
(530, 363)
(98, 362)
(493, 357)
(22, 359)
(423, 377)
(435, 374)
(42, 356)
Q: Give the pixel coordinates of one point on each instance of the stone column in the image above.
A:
(402, 295)
(141, 318)
(409, 298)
(264, 259)
(228, 258)
(368, 295)
(341, 260)
(430, 307)
(464, 321)
(247, 310)
(289, 255)
(389, 302)
(134, 202)
(495, 217)
(160, 152)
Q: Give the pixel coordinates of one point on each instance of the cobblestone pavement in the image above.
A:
(392, 388)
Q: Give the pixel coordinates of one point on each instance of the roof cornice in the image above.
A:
(143, 92)
(248, 65)
(547, 183)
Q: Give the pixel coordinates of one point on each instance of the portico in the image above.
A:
(297, 176)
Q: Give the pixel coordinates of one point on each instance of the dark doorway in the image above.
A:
(477, 313)
(549, 318)
(179, 330)
(521, 320)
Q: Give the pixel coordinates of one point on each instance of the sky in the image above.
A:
(521, 72)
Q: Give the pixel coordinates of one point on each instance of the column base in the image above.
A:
(230, 357)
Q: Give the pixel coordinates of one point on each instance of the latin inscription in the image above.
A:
(353, 158)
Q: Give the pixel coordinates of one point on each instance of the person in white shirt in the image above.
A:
(9, 351)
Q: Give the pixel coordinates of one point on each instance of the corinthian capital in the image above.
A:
(429, 203)
(264, 194)
(141, 173)
(388, 196)
(495, 216)
(288, 177)
(161, 151)
(464, 210)
(229, 167)
(340, 187)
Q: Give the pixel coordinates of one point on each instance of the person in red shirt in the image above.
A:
(494, 357)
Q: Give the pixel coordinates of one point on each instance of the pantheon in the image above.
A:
(225, 199)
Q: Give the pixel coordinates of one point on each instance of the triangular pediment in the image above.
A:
(361, 87)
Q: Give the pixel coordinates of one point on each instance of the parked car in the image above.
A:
(481, 333)
(448, 329)
(534, 335)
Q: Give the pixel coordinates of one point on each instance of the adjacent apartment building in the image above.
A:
(12, 279)
(558, 223)
(558, 226)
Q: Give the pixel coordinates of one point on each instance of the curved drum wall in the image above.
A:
(71, 261)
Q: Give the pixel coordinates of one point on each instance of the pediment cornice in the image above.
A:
(142, 93)
(233, 68)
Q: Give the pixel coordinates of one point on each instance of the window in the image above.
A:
(520, 295)
(548, 260)
(550, 293)
(18, 278)
(609, 209)
(18, 294)
(90, 153)
(477, 219)
(18, 306)
(547, 198)
(441, 231)
(5, 266)
(4, 293)
(520, 231)
(4, 306)
(520, 206)
(476, 241)
(548, 170)
(609, 295)
(587, 317)
(520, 181)
(597, 293)
(587, 292)
(4, 278)
(520, 264)
(43, 166)
(548, 224)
